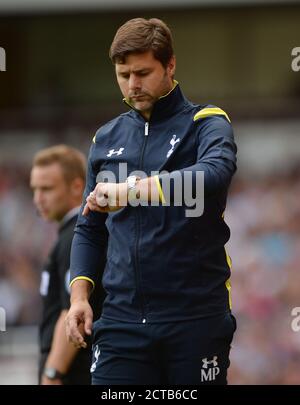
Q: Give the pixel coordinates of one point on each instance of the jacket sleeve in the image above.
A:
(89, 246)
(216, 160)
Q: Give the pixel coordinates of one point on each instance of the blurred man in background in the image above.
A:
(58, 180)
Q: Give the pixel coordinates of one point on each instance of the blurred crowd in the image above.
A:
(25, 240)
(264, 217)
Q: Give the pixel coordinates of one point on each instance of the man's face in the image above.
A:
(143, 79)
(51, 194)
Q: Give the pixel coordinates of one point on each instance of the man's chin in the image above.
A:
(47, 216)
(143, 107)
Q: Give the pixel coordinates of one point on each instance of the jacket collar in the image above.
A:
(68, 217)
(166, 105)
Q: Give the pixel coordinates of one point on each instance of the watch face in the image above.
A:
(50, 372)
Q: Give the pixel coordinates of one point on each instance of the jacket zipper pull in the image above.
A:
(146, 128)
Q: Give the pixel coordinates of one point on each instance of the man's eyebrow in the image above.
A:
(141, 70)
(145, 69)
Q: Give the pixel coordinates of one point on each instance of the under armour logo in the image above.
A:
(173, 142)
(213, 362)
(113, 152)
(96, 355)
(209, 373)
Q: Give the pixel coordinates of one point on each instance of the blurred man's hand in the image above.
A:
(47, 381)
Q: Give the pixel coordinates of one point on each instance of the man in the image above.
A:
(167, 315)
(57, 180)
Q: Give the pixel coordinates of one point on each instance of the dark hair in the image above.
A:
(140, 35)
(71, 160)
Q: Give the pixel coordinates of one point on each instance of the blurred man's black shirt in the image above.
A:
(56, 294)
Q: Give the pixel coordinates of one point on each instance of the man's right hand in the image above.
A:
(79, 322)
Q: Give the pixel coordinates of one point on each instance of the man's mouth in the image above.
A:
(138, 97)
(42, 211)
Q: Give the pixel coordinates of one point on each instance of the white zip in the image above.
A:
(146, 128)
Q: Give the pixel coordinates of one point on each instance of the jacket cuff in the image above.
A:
(160, 191)
(82, 278)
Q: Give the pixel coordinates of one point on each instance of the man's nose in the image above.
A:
(37, 197)
(134, 83)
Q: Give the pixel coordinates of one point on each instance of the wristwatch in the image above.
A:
(52, 373)
(131, 187)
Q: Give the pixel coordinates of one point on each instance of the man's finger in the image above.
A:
(74, 334)
(102, 202)
(86, 209)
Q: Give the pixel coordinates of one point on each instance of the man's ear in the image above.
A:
(77, 188)
(172, 66)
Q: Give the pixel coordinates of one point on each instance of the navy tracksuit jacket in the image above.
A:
(160, 265)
